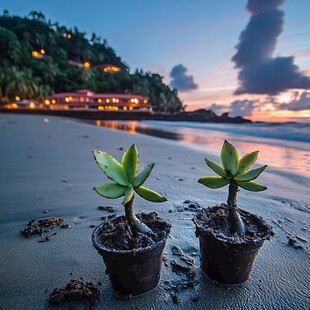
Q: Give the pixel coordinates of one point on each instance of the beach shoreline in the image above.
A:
(47, 165)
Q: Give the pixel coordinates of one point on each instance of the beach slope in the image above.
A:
(47, 170)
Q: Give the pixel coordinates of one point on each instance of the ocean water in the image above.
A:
(284, 146)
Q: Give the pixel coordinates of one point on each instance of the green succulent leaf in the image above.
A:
(128, 195)
(252, 186)
(247, 161)
(230, 158)
(110, 190)
(250, 175)
(142, 176)
(216, 168)
(149, 195)
(130, 162)
(213, 182)
(111, 167)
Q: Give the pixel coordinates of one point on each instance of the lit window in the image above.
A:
(67, 99)
(130, 108)
(32, 105)
(69, 36)
(47, 102)
(107, 100)
(145, 100)
(42, 51)
(86, 64)
(17, 98)
(117, 100)
(124, 108)
(116, 108)
(35, 54)
(53, 101)
(99, 100)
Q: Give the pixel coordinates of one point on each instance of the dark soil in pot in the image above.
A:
(228, 258)
(133, 260)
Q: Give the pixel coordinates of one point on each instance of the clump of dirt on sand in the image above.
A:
(76, 290)
(43, 226)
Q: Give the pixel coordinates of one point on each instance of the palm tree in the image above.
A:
(31, 83)
(16, 83)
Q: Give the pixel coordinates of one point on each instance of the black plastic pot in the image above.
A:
(225, 260)
(131, 271)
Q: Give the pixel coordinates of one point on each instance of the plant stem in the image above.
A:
(136, 224)
(234, 218)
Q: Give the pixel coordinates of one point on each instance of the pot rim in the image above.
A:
(99, 246)
(228, 240)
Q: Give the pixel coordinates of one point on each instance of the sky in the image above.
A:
(246, 57)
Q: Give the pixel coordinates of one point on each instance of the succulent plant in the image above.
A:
(126, 183)
(234, 172)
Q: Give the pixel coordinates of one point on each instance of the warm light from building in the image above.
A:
(117, 100)
(86, 64)
(99, 100)
(42, 51)
(125, 108)
(116, 108)
(67, 99)
(47, 102)
(145, 101)
(53, 101)
(32, 105)
(98, 123)
(107, 100)
(12, 106)
(69, 36)
(35, 54)
(100, 108)
(17, 98)
(134, 100)
(130, 108)
(70, 98)
(114, 100)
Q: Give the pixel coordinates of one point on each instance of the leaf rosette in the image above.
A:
(234, 170)
(124, 175)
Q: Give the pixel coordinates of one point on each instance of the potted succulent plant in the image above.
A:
(230, 237)
(131, 245)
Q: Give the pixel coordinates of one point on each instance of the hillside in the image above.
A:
(39, 57)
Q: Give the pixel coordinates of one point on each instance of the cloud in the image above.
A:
(257, 6)
(299, 103)
(259, 72)
(180, 80)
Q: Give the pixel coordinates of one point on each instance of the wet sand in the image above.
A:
(46, 165)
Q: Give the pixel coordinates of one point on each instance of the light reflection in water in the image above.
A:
(287, 155)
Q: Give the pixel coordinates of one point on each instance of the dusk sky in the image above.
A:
(197, 47)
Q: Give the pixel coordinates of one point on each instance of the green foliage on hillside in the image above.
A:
(25, 76)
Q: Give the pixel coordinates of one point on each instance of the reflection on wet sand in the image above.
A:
(287, 155)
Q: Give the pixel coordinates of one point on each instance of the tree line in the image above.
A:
(26, 76)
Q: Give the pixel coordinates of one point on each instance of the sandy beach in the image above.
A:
(47, 170)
